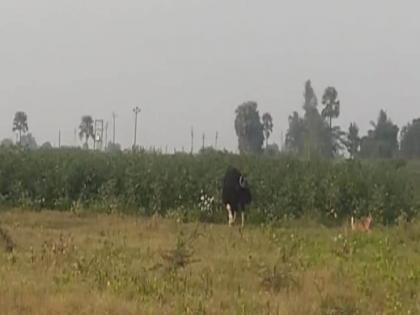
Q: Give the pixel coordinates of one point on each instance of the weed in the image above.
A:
(277, 278)
(180, 257)
(338, 305)
(7, 241)
(55, 252)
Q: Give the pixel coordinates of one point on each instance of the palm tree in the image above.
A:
(86, 129)
(20, 124)
(331, 103)
(267, 126)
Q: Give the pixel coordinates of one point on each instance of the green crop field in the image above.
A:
(177, 184)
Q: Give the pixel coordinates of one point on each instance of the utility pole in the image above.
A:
(59, 138)
(204, 140)
(106, 135)
(114, 116)
(192, 140)
(215, 140)
(98, 134)
(136, 111)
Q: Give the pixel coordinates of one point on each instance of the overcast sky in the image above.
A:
(192, 62)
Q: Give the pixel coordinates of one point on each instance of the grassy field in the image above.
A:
(65, 263)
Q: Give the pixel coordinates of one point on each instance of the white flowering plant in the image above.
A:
(207, 204)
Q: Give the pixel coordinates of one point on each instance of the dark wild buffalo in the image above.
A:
(236, 194)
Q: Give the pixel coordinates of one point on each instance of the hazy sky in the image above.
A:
(191, 62)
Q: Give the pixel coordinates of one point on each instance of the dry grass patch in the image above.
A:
(111, 264)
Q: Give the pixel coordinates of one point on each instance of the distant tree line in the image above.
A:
(313, 133)
(26, 140)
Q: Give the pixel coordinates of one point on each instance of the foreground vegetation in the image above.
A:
(62, 263)
(189, 186)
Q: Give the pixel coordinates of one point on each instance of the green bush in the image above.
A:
(147, 183)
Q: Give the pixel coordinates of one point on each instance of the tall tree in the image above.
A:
(249, 128)
(86, 129)
(311, 134)
(295, 136)
(410, 139)
(310, 99)
(352, 142)
(336, 139)
(331, 104)
(319, 140)
(20, 124)
(267, 121)
(382, 140)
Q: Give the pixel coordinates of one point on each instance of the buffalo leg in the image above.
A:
(230, 215)
(243, 217)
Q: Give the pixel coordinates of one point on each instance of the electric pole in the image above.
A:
(215, 140)
(59, 138)
(106, 135)
(114, 116)
(192, 140)
(136, 111)
(204, 140)
(98, 131)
